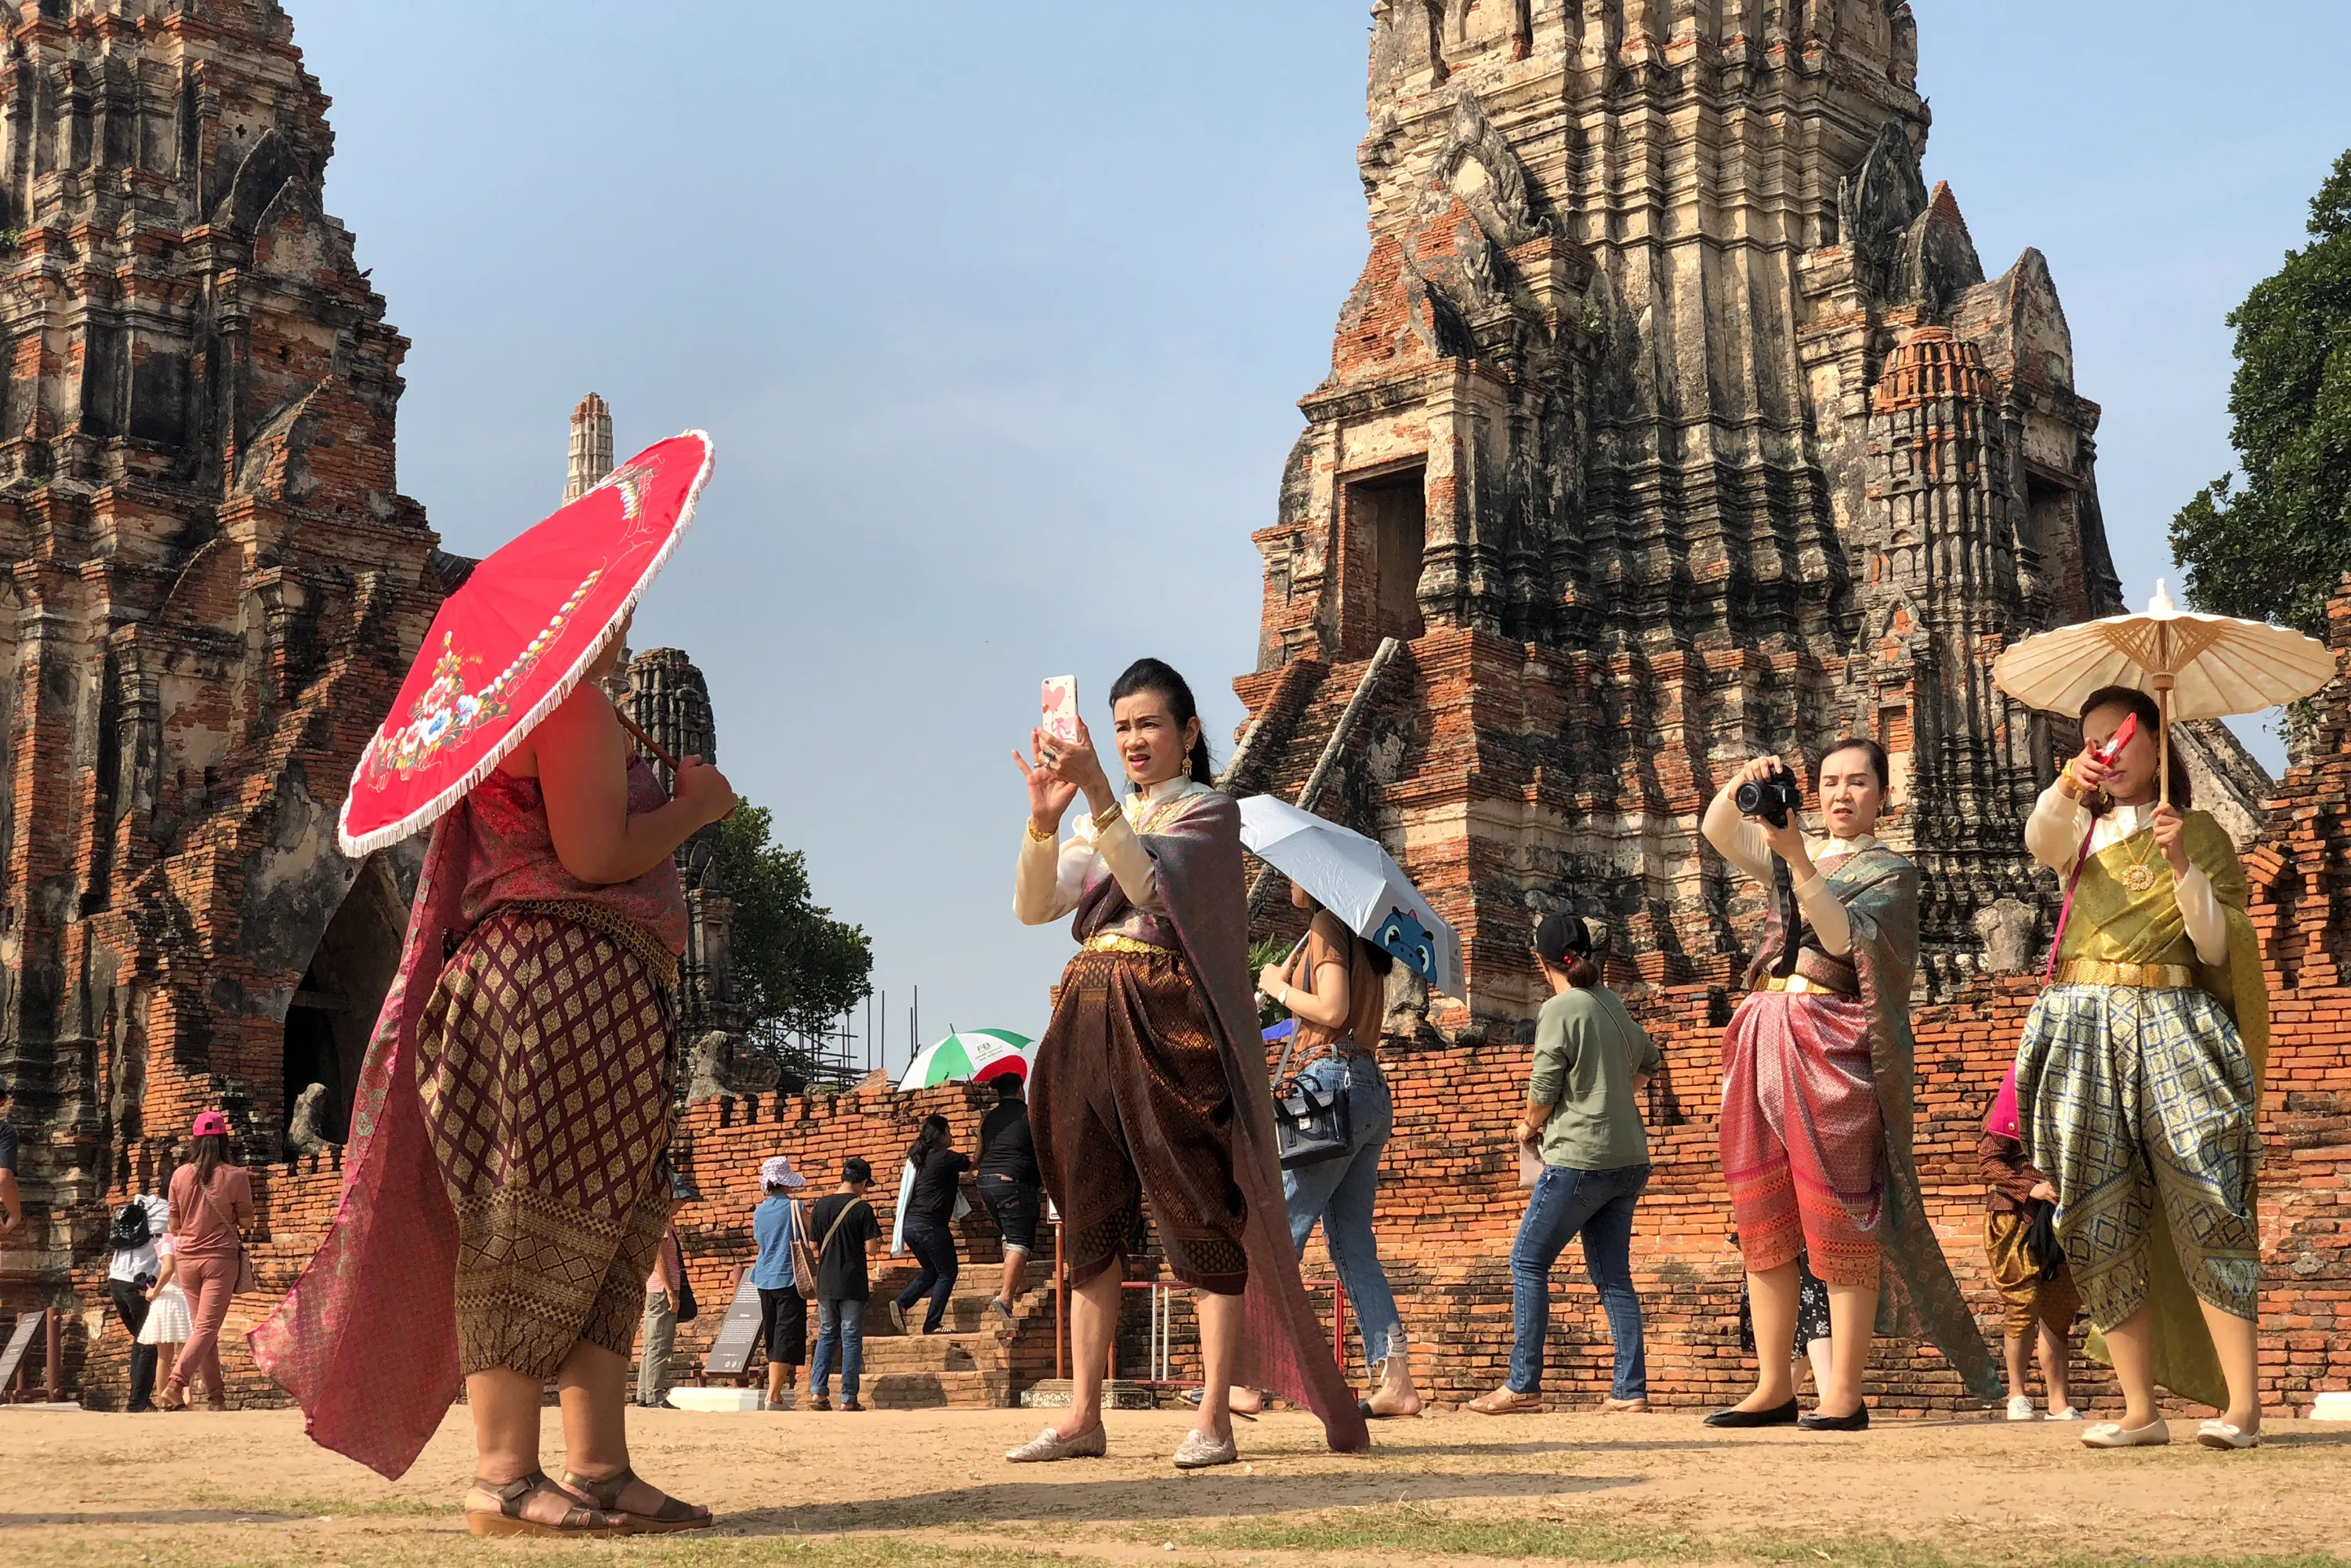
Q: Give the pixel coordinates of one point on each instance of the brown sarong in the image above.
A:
(1129, 1104)
(543, 1065)
(2029, 1298)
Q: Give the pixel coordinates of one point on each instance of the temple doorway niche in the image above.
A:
(343, 991)
(1387, 513)
(2053, 512)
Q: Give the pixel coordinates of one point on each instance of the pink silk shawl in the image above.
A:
(1203, 887)
(366, 1342)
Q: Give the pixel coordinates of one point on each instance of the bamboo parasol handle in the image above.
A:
(647, 741)
(2163, 682)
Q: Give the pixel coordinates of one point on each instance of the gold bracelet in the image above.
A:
(1107, 815)
(1037, 837)
(2070, 787)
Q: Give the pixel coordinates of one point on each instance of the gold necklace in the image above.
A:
(2139, 875)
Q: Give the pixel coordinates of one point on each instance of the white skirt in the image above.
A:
(168, 1321)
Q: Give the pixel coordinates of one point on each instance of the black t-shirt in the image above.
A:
(1006, 1148)
(8, 1148)
(933, 1200)
(840, 1266)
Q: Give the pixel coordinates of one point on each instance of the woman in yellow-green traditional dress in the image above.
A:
(2139, 1080)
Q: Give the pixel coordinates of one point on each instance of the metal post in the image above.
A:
(52, 1329)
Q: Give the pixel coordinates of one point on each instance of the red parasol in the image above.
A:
(514, 641)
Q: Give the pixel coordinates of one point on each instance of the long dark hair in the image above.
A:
(210, 1153)
(2151, 724)
(932, 1132)
(1156, 676)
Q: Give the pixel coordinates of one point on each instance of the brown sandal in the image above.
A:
(509, 1520)
(671, 1515)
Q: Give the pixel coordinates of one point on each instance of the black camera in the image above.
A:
(1771, 799)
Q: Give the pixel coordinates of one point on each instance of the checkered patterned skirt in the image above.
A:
(2139, 1104)
(544, 1064)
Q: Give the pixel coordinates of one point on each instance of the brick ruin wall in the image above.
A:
(1449, 1207)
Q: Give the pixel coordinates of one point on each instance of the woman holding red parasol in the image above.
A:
(509, 1182)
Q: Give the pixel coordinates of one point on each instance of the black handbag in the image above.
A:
(1308, 1128)
(688, 1309)
(2041, 1243)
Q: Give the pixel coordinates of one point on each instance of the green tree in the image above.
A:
(797, 969)
(2274, 547)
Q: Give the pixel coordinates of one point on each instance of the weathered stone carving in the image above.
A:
(2007, 927)
(719, 1068)
(305, 1131)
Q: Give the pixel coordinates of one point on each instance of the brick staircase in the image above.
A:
(963, 1365)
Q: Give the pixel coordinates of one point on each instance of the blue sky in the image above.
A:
(1000, 317)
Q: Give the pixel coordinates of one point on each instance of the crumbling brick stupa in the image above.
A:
(1674, 419)
(213, 588)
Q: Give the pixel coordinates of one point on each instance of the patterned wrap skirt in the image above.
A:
(2029, 1300)
(1804, 1142)
(1129, 1106)
(2141, 1112)
(544, 1063)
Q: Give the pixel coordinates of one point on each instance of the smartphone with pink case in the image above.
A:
(1061, 722)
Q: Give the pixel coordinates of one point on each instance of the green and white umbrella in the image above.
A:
(971, 1055)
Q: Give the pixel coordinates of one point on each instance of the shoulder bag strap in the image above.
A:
(837, 1222)
(2049, 970)
(205, 1193)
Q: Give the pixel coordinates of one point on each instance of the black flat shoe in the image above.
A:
(1778, 1415)
(1856, 1422)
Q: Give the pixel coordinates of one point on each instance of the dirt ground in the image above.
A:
(900, 1487)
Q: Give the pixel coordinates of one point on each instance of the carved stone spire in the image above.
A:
(592, 447)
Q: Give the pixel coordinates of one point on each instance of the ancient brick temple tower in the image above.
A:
(213, 587)
(1672, 420)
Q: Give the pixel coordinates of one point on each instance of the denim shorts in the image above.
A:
(1013, 1208)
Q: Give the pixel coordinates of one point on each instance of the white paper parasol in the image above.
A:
(2195, 666)
(1356, 880)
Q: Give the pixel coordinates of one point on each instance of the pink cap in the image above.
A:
(210, 1124)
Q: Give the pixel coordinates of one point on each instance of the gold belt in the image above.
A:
(1800, 985)
(1112, 942)
(610, 922)
(2145, 977)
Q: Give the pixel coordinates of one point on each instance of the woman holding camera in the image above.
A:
(1150, 1084)
(1816, 1091)
(2139, 1079)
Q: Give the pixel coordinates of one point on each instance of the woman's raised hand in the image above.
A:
(1050, 794)
(2089, 773)
(1757, 771)
(704, 789)
(2171, 837)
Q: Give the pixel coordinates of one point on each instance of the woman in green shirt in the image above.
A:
(1592, 1060)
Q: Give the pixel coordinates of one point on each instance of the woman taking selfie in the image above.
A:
(541, 953)
(1816, 1096)
(1150, 1084)
(2139, 1079)
(1335, 986)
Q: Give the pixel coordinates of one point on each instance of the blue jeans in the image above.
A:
(934, 1248)
(1340, 1192)
(839, 1325)
(1599, 1205)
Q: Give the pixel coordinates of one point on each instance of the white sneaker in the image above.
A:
(2067, 1413)
(2019, 1408)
